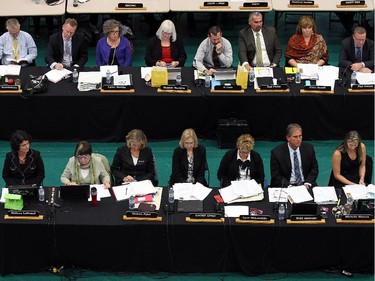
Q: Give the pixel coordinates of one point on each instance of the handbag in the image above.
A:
(36, 85)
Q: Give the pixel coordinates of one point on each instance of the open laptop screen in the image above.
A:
(74, 192)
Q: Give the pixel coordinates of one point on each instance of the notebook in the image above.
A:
(304, 209)
(190, 206)
(74, 192)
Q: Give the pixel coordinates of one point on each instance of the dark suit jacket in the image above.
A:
(247, 47)
(55, 49)
(153, 51)
(347, 53)
(229, 167)
(123, 165)
(281, 166)
(180, 165)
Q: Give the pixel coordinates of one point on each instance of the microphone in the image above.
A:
(342, 80)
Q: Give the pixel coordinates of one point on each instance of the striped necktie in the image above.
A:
(358, 55)
(297, 171)
(258, 53)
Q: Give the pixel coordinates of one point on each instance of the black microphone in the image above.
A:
(342, 80)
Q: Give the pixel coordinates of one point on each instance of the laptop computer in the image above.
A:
(74, 192)
(24, 190)
(190, 206)
(304, 209)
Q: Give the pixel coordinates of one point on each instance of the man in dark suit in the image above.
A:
(294, 162)
(269, 43)
(357, 51)
(67, 48)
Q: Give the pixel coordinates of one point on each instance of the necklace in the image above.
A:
(22, 160)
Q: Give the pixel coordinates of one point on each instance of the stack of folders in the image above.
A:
(360, 191)
(324, 195)
(242, 191)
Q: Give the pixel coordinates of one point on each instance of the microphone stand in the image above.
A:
(342, 80)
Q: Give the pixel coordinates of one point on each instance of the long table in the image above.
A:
(63, 113)
(97, 238)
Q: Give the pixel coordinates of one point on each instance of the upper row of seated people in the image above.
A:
(258, 45)
(292, 163)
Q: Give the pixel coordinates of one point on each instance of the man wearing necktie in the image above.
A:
(294, 162)
(17, 46)
(214, 52)
(258, 45)
(357, 52)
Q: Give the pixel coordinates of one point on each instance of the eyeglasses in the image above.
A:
(83, 157)
(115, 31)
(244, 152)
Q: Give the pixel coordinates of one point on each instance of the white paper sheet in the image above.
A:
(277, 194)
(298, 194)
(55, 75)
(236, 211)
(102, 192)
(325, 195)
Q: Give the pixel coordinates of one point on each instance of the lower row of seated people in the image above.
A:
(292, 163)
(258, 45)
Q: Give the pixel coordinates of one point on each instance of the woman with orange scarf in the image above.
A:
(306, 46)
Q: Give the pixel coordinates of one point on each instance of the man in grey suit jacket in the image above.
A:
(283, 163)
(271, 49)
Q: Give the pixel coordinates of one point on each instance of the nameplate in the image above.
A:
(357, 86)
(255, 4)
(117, 87)
(274, 87)
(221, 4)
(357, 217)
(205, 216)
(255, 217)
(136, 214)
(228, 87)
(301, 2)
(317, 88)
(174, 87)
(23, 213)
(9, 87)
(305, 218)
(130, 5)
(351, 3)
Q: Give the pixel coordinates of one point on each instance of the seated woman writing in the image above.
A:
(306, 46)
(85, 168)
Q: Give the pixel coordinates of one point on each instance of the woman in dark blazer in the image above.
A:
(135, 161)
(189, 160)
(165, 49)
(241, 163)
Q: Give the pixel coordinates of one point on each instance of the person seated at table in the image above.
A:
(357, 52)
(165, 49)
(258, 45)
(306, 46)
(241, 163)
(85, 168)
(294, 162)
(135, 161)
(67, 48)
(349, 161)
(214, 52)
(113, 48)
(23, 165)
(189, 160)
(17, 46)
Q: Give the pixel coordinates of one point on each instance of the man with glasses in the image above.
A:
(294, 162)
(17, 46)
(357, 52)
(258, 45)
(67, 48)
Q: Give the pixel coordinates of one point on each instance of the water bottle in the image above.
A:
(281, 212)
(171, 195)
(75, 3)
(131, 202)
(178, 79)
(251, 75)
(75, 76)
(298, 77)
(349, 199)
(108, 77)
(41, 194)
(207, 81)
(353, 78)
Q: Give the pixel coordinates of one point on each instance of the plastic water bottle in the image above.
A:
(349, 199)
(75, 3)
(75, 76)
(353, 78)
(108, 77)
(171, 195)
(281, 212)
(251, 75)
(131, 202)
(41, 194)
(207, 81)
(298, 77)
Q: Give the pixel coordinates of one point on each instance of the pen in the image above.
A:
(126, 191)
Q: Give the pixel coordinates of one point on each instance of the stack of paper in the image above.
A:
(277, 194)
(241, 190)
(11, 69)
(325, 195)
(189, 191)
(360, 191)
(136, 188)
(298, 194)
(102, 192)
(55, 75)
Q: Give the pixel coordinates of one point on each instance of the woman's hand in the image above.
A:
(128, 179)
(174, 63)
(107, 184)
(71, 183)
